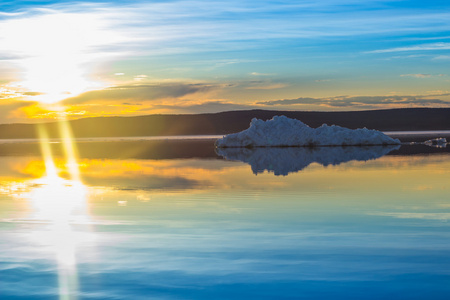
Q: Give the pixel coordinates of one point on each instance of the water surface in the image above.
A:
(174, 220)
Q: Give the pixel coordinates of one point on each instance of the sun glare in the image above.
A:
(57, 52)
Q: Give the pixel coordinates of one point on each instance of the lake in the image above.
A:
(172, 219)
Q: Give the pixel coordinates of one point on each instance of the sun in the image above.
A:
(56, 52)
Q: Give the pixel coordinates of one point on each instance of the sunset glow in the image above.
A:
(211, 149)
(122, 58)
(56, 51)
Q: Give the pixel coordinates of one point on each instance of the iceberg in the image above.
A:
(282, 161)
(282, 131)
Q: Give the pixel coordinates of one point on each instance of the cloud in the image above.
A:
(10, 110)
(362, 102)
(261, 74)
(259, 85)
(442, 57)
(422, 47)
(300, 100)
(205, 107)
(422, 75)
(143, 92)
(140, 77)
(184, 26)
(267, 86)
(416, 75)
(9, 56)
(32, 93)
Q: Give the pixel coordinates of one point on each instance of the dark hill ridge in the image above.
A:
(235, 121)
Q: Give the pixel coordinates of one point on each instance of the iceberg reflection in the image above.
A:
(282, 161)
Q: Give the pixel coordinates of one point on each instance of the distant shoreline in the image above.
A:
(404, 136)
(169, 148)
(408, 119)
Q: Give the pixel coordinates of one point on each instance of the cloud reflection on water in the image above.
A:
(282, 161)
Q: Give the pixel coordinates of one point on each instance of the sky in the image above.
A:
(74, 59)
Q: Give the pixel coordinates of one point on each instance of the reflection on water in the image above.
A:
(55, 203)
(282, 161)
(438, 143)
(60, 202)
(144, 223)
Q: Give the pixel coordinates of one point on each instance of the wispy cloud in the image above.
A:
(442, 57)
(140, 92)
(267, 86)
(422, 75)
(261, 74)
(422, 47)
(362, 102)
(184, 26)
(323, 80)
(416, 75)
(151, 37)
(204, 107)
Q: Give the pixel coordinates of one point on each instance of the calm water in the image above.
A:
(174, 220)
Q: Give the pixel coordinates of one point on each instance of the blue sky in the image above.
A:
(121, 58)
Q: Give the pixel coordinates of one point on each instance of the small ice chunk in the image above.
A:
(282, 131)
(438, 142)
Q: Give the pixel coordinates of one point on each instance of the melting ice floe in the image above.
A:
(282, 161)
(282, 131)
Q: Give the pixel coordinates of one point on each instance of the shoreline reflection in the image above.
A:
(282, 161)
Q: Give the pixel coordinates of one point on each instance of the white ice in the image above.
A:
(282, 131)
(438, 142)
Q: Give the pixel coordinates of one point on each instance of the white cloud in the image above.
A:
(140, 77)
(442, 57)
(185, 26)
(423, 47)
(416, 75)
(422, 75)
(261, 74)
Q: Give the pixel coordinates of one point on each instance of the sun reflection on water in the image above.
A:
(60, 203)
(58, 200)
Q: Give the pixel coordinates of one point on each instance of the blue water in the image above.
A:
(209, 228)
